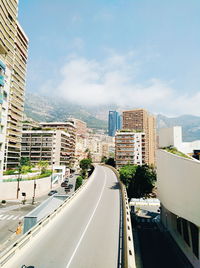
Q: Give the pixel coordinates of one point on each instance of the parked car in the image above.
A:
(70, 186)
(66, 180)
(52, 192)
(63, 184)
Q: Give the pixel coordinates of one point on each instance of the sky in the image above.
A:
(137, 53)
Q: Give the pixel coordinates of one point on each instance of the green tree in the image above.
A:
(43, 165)
(79, 181)
(103, 159)
(127, 174)
(85, 163)
(110, 161)
(143, 182)
(25, 161)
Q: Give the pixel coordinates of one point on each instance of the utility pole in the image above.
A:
(18, 179)
(34, 188)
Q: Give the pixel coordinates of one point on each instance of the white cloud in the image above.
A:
(113, 81)
(110, 81)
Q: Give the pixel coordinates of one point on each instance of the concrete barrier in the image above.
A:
(127, 252)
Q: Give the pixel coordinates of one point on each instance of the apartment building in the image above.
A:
(5, 77)
(81, 126)
(141, 120)
(46, 145)
(13, 53)
(129, 148)
(69, 128)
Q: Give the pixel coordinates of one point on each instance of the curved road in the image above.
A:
(84, 234)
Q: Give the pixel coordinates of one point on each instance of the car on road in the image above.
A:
(52, 192)
(63, 184)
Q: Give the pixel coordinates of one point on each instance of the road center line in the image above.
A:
(81, 238)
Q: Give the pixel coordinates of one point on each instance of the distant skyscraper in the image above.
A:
(114, 122)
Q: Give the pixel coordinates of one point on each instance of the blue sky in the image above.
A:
(139, 53)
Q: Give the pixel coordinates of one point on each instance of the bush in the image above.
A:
(3, 202)
(79, 181)
(10, 172)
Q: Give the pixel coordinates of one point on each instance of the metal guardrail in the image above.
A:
(7, 254)
(127, 251)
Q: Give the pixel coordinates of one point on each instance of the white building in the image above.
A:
(5, 76)
(173, 137)
(47, 145)
(178, 191)
(129, 148)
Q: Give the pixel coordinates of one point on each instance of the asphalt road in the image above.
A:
(85, 234)
(12, 214)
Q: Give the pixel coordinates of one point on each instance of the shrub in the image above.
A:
(3, 201)
(79, 181)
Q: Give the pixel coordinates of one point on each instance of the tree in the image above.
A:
(85, 163)
(143, 182)
(43, 165)
(79, 181)
(110, 161)
(103, 159)
(25, 161)
(127, 174)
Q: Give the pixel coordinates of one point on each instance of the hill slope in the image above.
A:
(42, 108)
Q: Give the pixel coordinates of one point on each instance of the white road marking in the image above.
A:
(4, 217)
(15, 218)
(81, 238)
(10, 217)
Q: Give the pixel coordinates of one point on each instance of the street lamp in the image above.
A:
(34, 188)
(18, 179)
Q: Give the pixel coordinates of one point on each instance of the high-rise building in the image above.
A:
(13, 54)
(141, 120)
(114, 123)
(129, 148)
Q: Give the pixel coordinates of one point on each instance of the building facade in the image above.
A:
(129, 148)
(46, 145)
(13, 53)
(5, 76)
(69, 128)
(81, 126)
(141, 120)
(114, 123)
(178, 191)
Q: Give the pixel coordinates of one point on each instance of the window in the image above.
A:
(195, 239)
(185, 232)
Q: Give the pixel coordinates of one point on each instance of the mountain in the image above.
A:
(46, 108)
(190, 125)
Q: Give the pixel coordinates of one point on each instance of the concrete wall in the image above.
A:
(8, 190)
(170, 137)
(179, 185)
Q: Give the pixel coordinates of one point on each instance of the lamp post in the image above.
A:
(18, 179)
(34, 188)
